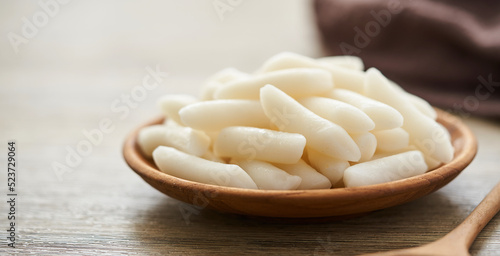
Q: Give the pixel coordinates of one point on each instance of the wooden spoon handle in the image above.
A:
(468, 230)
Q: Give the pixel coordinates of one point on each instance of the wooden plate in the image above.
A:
(308, 203)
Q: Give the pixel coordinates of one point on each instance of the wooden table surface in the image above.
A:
(77, 72)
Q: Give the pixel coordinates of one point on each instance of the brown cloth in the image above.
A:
(447, 52)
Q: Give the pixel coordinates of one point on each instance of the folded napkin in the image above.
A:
(447, 52)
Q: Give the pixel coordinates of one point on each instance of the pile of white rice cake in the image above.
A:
(297, 123)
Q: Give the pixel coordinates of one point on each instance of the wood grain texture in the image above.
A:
(308, 203)
(459, 240)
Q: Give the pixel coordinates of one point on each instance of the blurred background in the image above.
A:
(65, 66)
(72, 47)
(188, 38)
